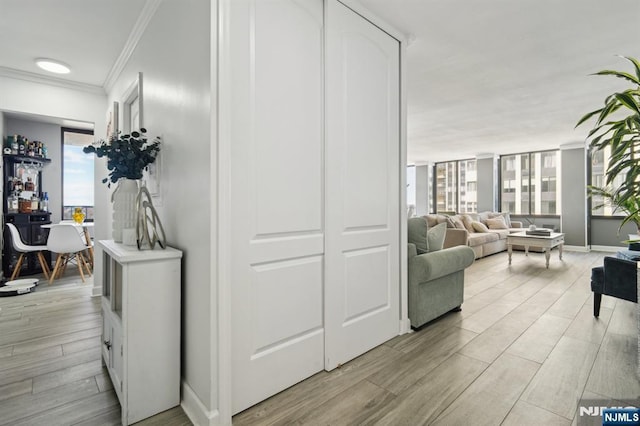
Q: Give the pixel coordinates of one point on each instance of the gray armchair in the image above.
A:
(617, 278)
(436, 277)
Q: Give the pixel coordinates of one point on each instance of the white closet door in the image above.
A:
(277, 196)
(362, 279)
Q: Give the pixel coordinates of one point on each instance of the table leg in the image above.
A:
(560, 250)
(526, 250)
(547, 254)
(510, 250)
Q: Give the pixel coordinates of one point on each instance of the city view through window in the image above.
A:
(530, 183)
(77, 174)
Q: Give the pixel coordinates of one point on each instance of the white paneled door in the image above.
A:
(362, 237)
(315, 191)
(277, 196)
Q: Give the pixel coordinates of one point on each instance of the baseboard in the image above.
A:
(583, 249)
(405, 326)
(96, 291)
(608, 249)
(196, 410)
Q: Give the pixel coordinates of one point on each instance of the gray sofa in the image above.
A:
(436, 280)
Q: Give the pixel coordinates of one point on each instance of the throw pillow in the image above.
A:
(484, 216)
(467, 220)
(497, 222)
(457, 222)
(443, 218)
(505, 215)
(432, 220)
(479, 226)
(435, 236)
(417, 234)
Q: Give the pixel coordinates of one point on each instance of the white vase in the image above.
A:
(124, 207)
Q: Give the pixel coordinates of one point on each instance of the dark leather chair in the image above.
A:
(617, 278)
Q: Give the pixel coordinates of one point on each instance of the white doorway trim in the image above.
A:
(222, 241)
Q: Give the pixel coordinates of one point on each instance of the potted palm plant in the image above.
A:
(617, 126)
(629, 206)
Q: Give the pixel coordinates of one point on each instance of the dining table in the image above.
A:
(85, 229)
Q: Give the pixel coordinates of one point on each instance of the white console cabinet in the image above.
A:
(141, 326)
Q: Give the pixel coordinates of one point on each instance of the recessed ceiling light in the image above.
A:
(53, 66)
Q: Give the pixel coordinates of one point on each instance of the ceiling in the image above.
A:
(483, 76)
(88, 35)
(505, 76)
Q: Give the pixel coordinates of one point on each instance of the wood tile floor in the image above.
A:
(50, 367)
(523, 351)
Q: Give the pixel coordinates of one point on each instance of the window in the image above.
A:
(548, 160)
(549, 184)
(77, 173)
(599, 161)
(456, 186)
(533, 189)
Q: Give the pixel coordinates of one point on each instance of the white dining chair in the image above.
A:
(65, 241)
(23, 249)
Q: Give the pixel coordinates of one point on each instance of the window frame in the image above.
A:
(530, 186)
(457, 174)
(590, 152)
(64, 130)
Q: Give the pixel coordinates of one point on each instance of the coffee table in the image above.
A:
(555, 239)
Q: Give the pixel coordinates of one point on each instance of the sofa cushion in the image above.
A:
(479, 227)
(435, 237)
(505, 215)
(430, 219)
(435, 219)
(497, 222)
(501, 233)
(417, 234)
(443, 218)
(457, 222)
(474, 216)
(477, 239)
(467, 221)
(484, 216)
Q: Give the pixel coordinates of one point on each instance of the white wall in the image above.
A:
(173, 55)
(38, 98)
(54, 101)
(50, 134)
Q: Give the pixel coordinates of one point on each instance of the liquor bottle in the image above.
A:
(35, 202)
(21, 145)
(44, 202)
(14, 145)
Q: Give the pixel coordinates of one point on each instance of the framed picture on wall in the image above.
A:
(133, 106)
(133, 119)
(112, 121)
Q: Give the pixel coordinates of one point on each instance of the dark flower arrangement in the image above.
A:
(127, 155)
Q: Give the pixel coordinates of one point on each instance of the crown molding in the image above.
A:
(50, 81)
(147, 12)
